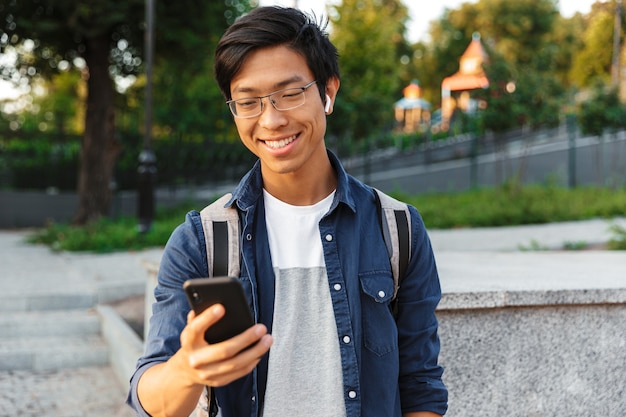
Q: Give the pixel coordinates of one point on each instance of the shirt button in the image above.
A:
(352, 394)
(346, 339)
(329, 238)
(381, 294)
(337, 287)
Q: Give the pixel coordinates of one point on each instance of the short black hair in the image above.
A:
(273, 26)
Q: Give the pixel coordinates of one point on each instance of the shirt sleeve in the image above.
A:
(184, 257)
(421, 384)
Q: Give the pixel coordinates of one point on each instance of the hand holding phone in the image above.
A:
(227, 291)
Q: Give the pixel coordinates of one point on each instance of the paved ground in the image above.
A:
(78, 392)
(32, 276)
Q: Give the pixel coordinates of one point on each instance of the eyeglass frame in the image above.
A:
(269, 96)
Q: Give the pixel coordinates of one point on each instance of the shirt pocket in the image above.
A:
(380, 334)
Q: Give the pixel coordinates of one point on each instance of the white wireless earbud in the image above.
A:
(327, 106)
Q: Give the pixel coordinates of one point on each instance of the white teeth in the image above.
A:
(277, 144)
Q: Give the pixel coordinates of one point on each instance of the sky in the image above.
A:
(424, 11)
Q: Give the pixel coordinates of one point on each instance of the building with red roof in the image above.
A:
(456, 90)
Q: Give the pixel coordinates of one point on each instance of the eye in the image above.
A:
(292, 93)
(246, 103)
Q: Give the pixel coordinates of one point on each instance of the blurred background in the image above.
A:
(113, 110)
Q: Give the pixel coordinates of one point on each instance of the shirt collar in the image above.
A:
(250, 188)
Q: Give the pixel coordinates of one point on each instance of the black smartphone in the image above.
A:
(205, 292)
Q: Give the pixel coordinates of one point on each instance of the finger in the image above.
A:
(193, 334)
(190, 316)
(258, 349)
(243, 341)
(223, 372)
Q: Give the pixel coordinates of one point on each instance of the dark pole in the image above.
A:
(474, 160)
(147, 159)
(571, 135)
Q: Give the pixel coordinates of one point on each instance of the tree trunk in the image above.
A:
(99, 148)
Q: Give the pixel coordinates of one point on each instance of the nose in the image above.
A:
(270, 118)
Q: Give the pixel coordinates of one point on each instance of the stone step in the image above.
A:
(38, 301)
(55, 323)
(48, 353)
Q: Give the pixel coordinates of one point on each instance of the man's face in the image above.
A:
(290, 141)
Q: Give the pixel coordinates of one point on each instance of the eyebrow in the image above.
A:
(277, 86)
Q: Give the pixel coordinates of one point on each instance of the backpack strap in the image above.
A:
(221, 235)
(395, 223)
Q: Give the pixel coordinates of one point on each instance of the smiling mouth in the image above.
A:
(279, 144)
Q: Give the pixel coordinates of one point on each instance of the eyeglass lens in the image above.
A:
(282, 100)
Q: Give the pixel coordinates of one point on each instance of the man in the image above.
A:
(314, 263)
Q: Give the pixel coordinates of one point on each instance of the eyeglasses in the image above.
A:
(282, 100)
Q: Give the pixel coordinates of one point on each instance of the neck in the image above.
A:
(303, 188)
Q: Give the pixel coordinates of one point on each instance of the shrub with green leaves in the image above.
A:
(504, 206)
(618, 241)
(516, 205)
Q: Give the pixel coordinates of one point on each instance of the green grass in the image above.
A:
(110, 235)
(510, 205)
(618, 241)
(503, 206)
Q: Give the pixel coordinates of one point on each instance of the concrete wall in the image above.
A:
(556, 353)
(33, 208)
(20, 209)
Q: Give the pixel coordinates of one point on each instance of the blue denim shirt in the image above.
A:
(389, 365)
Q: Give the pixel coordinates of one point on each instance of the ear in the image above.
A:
(332, 87)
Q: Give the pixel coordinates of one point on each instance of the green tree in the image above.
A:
(539, 97)
(369, 35)
(57, 110)
(563, 43)
(187, 99)
(526, 55)
(593, 61)
(602, 111)
(108, 37)
(502, 111)
(63, 31)
(517, 29)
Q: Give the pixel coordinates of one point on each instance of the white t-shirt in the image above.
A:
(304, 372)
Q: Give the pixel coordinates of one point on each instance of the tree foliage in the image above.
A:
(594, 59)
(369, 35)
(530, 47)
(563, 44)
(187, 99)
(107, 38)
(61, 32)
(502, 111)
(517, 29)
(602, 111)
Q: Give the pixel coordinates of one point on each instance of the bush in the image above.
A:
(508, 205)
(39, 160)
(515, 205)
(618, 241)
(107, 235)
